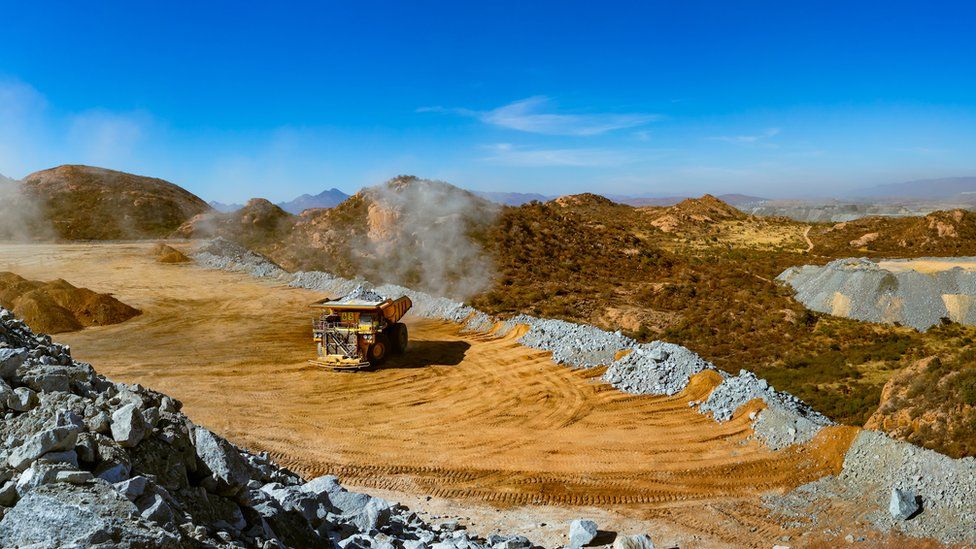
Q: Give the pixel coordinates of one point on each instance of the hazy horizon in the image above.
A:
(651, 99)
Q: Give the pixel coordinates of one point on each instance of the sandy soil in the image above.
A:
(927, 265)
(469, 424)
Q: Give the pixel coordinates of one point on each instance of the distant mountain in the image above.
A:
(325, 199)
(948, 188)
(224, 208)
(512, 199)
(733, 199)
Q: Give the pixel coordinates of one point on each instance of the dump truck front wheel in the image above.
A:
(379, 350)
(398, 338)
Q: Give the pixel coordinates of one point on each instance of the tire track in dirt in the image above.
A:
(460, 416)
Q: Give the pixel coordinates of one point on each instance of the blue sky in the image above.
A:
(242, 99)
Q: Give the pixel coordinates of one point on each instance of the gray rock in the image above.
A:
(68, 457)
(73, 477)
(8, 494)
(111, 472)
(902, 504)
(341, 500)
(38, 474)
(639, 541)
(128, 425)
(156, 510)
(221, 459)
(58, 438)
(66, 515)
(581, 532)
(10, 360)
(373, 516)
(22, 399)
(132, 488)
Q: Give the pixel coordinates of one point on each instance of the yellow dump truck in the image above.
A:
(359, 330)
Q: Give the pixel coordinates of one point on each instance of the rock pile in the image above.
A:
(225, 255)
(899, 486)
(864, 290)
(84, 461)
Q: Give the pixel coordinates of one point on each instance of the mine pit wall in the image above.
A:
(873, 465)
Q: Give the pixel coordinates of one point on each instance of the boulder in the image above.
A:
(581, 532)
(128, 425)
(10, 360)
(66, 515)
(639, 541)
(222, 460)
(58, 438)
(22, 399)
(132, 488)
(73, 476)
(154, 508)
(903, 504)
(373, 516)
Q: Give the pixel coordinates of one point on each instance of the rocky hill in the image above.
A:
(932, 403)
(57, 306)
(693, 213)
(259, 225)
(87, 203)
(941, 233)
(407, 230)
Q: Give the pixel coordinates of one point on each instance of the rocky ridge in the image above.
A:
(85, 461)
(873, 466)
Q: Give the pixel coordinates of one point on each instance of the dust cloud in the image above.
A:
(21, 218)
(424, 234)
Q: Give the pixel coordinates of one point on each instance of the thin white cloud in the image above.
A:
(747, 139)
(534, 115)
(34, 137)
(509, 155)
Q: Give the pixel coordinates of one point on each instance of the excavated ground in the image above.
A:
(475, 422)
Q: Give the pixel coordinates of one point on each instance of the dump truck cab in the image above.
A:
(360, 330)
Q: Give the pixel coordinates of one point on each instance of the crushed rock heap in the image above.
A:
(84, 461)
(863, 289)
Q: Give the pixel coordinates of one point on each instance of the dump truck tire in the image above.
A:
(398, 338)
(379, 350)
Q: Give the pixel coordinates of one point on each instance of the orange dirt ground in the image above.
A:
(467, 418)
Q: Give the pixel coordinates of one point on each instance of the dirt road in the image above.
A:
(462, 418)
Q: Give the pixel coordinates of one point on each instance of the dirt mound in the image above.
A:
(58, 307)
(168, 254)
(694, 212)
(87, 203)
(259, 224)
